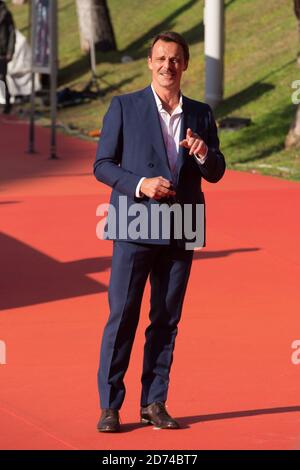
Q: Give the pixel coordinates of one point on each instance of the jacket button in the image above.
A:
(150, 165)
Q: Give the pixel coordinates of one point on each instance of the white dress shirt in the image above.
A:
(171, 129)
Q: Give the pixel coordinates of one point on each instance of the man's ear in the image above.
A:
(186, 66)
(150, 63)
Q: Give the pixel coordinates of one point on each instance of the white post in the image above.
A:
(86, 25)
(214, 51)
(92, 41)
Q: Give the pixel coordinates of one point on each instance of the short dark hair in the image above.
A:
(171, 36)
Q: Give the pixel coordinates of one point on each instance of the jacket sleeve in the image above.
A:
(214, 166)
(107, 166)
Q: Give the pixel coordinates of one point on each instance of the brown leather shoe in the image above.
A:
(109, 421)
(157, 415)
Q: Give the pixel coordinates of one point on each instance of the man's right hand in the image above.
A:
(157, 188)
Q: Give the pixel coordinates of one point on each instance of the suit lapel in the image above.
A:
(189, 120)
(148, 115)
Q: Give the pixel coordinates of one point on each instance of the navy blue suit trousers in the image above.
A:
(132, 263)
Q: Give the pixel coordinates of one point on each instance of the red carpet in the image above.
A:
(233, 384)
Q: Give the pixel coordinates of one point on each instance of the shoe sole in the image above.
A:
(108, 430)
(147, 421)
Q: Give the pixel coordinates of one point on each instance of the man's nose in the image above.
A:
(168, 63)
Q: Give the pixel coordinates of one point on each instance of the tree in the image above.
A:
(297, 13)
(95, 25)
(293, 137)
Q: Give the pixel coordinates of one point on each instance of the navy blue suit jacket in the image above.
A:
(131, 146)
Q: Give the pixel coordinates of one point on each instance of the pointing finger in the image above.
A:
(189, 133)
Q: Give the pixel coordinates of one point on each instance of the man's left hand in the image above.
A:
(194, 143)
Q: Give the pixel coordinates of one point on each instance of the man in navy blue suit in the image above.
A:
(155, 147)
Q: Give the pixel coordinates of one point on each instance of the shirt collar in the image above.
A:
(160, 105)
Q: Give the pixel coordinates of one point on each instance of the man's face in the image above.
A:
(167, 64)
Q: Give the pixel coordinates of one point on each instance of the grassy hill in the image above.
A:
(260, 66)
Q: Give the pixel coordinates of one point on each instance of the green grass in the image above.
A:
(260, 66)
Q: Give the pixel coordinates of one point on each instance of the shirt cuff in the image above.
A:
(138, 194)
(201, 158)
